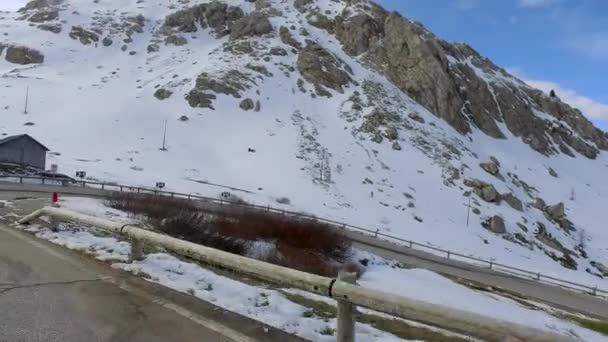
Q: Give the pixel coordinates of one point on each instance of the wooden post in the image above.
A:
(137, 250)
(346, 311)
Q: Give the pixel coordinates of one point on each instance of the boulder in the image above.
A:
(484, 190)
(278, 51)
(107, 41)
(539, 203)
(321, 21)
(513, 201)
(392, 133)
(176, 40)
(495, 224)
(200, 99)
(39, 4)
(557, 211)
(396, 146)
(23, 55)
(162, 94)
(247, 104)
(552, 172)
(255, 24)
(490, 167)
(414, 116)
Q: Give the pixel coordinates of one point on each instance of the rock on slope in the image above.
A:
(348, 110)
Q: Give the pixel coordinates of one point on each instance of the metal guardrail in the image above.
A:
(492, 265)
(341, 288)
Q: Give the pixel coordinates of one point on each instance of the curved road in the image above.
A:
(549, 294)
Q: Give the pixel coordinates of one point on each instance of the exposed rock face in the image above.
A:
(255, 24)
(460, 86)
(495, 224)
(321, 21)
(288, 39)
(230, 83)
(513, 201)
(85, 37)
(23, 55)
(216, 15)
(320, 67)
(42, 16)
(360, 31)
(40, 4)
(51, 28)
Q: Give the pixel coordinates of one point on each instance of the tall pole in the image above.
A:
(468, 211)
(164, 137)
(27, 95)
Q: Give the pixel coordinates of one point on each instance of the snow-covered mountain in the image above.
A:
(334, 107)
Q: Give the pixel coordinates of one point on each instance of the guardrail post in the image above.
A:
(103, 186)
(121, 188)
(411, 244)
(42, 181)
(84, 184)
(137, 250)
(376, 234)
(594, 293)
(491, 264)
(20, 180)
(538, 276)
(346, 311)
(448, 254)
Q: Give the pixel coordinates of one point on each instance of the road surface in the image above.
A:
(49, 293)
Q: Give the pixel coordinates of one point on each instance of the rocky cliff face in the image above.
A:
(462, 87)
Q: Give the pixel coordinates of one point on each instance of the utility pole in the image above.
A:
(27, 95)
(322, 165)
(164, 148)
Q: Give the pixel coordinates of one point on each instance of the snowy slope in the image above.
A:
(94, 107)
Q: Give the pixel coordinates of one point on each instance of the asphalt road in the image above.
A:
(548, 294)
(49, 293)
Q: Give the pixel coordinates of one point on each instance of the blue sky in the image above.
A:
(552, 44)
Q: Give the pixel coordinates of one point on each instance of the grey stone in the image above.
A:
(416, 117)
(552, 172)
(396, 146)
(495, 224)
(107, 41)
(247, 104)
(54, 28)
(557, 211)
(490, 167)
(513, 201)
(278, 51)
(162, 94)
(176, 40)
(392, 133)
(46, 15)
(23, 55)
(184, 118)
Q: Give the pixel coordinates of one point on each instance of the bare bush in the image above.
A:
(302, 244)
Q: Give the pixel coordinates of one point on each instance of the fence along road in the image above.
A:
(553, 291)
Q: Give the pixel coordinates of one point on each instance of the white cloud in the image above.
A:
(11, 5)
(595, 45)
(467, 4)
(535, 3)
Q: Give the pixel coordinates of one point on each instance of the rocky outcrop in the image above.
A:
(288, 39)
(321, 68)
(321, 21)
(85, 37)
(54, 28)
(255, 24)
(23, 55)
(231, 83)
(215, 15)
(39, 4)
(460, 86)
(42, 16)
